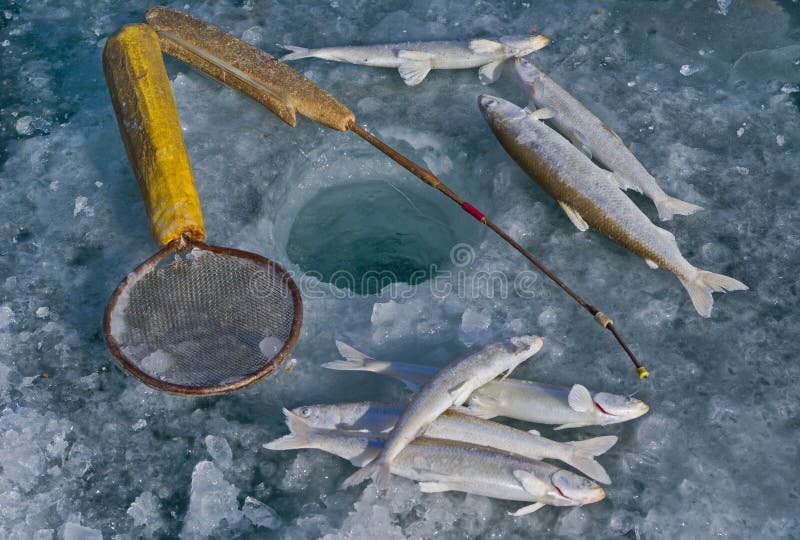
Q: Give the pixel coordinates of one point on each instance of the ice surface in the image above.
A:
(260, 514)
(90, 446)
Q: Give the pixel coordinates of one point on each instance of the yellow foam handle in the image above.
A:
(643, 373)
(148, 121)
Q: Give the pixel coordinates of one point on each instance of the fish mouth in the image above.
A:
(530, 344)
(485, 102)
(575, 490)
(541, 41)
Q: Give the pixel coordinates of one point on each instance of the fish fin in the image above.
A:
(491, 72)
(414, 73)
(296, 54)
(534, 433)
(570, 425)
(299, 436)
(351, 353)
(544, 113)
(460, 393)
(530, 509)
(531, 483)
(651, 264)
(583, 458)
(703, 283)
(483, 406)
(580, 142)
(433, 487)
(485, 46)
(579, 399)
(574, 216)
(377, 470)
(622, 183)
(670, 206)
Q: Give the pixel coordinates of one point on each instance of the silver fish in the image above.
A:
(513, 398)
(588, 197)
(440, 466)
(596, 139)
(450, 386)
(453, 426)
(415, 59)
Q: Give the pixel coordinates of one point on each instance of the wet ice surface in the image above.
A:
(87, 451)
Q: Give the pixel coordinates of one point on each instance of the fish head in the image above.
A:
(497, 110)
(574, 490)
(520, 348)
(518, 46)
(319, 416)
(613, 408)
(529, 75)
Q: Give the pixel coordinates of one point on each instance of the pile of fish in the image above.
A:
(585, 172)
(443, 440)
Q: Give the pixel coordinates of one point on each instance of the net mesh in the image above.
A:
(201, 318)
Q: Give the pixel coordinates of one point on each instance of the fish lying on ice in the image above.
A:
(453, 426)
(512, 398)
(589, 198)
(415, 59)
(450, 386)
(595, 139)
(440, 466)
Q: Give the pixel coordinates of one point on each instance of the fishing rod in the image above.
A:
(286, 92)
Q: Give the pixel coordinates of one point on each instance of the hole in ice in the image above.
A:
(366, 235)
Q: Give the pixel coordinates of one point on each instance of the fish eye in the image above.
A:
(305, 412)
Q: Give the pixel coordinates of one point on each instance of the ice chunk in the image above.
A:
(139, 425)
(790, 88)
(219, 450)
(43, 312)
(81, 204)
(6, 316)
(270, 346)
(212, 500)
(75, 531)
(474, 326)
(156, 363)
(260, 514)
(146, 512)
(780, 139)
(688, 69)
(723, 6)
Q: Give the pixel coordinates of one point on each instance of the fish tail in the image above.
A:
(591, 468)
(670, 206)
(354, 360)
(300, 436)
(584, 453)
(703, 283)
(297, 52)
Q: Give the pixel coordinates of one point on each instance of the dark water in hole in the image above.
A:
(365, 236)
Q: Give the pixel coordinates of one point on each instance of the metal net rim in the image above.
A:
(182, 245)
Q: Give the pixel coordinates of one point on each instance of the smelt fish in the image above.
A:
(590, 198)
(453, 426)
(414, 60)
(530, 401)
(450, 386)
(445, 466)
(596, 139)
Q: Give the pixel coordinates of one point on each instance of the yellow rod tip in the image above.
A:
(643, 373)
